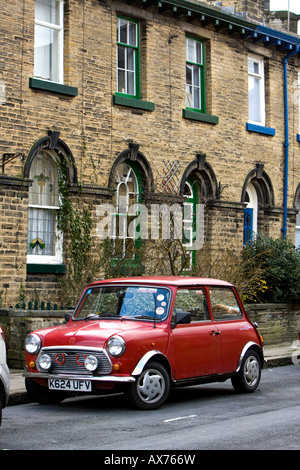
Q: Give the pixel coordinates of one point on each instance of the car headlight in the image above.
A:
(45, 361)
(116, 346)
(33, 343)
(91, 363)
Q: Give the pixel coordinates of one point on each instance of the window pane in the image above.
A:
(198, 53)
(196, 76)
(254, 99)
(41, 232)
(125, 196)
(123, 31)
(189, 97)
(42, 238)
(193, 71)
(224, 304)
(253, 67)
(189, 74)
(193, 301)
(130, 83)
(196, 104)
(132, 34)
(121, 57)
(126, 70)
(190, 50)
(193, 97)
(46, 53)
(124, 301)
(121, 81)
(188, 192)
(127, 34)
(43, 42)
(48, 11)
(44, 189)
(130, 59)
(193, 51)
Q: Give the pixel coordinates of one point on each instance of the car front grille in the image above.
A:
(71, 361)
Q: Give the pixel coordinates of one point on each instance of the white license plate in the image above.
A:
(78, 385)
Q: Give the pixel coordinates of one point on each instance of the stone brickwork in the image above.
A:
(17, 324)
(277, 323)
(97, 131)
(13, 236)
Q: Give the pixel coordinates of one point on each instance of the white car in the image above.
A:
(4, 375)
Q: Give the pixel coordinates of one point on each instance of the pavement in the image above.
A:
(274, 355)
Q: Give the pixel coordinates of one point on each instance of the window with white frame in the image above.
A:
(44, 241)
(127, 57)
(126, 197)
(194, 75)
(256, 90)
(188, 224)
(48, 40)
(250, 213)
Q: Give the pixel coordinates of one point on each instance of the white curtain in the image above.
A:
(43, 206)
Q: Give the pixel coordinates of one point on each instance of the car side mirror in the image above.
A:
(68, 316)
(181, 317)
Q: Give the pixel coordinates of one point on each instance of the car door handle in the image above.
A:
(215, 333)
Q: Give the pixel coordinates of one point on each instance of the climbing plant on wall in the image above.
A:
(75, 221)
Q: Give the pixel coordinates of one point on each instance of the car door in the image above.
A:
(196, 345)
(233, 326)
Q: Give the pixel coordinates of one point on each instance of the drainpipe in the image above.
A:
(286, 141)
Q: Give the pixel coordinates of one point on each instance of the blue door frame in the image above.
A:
(248, 225)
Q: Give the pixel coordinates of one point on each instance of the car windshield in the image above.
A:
(125, 302)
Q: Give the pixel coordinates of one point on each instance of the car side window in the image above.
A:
(224, 304)
(194, 302)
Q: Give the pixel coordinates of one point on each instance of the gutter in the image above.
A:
(286, 141)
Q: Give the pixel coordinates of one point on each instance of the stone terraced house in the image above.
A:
(142, 101)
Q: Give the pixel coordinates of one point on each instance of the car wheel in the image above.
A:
(42, 394)
(248, 377)
(151, 388)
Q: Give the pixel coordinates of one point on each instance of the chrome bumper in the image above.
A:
(102, 378)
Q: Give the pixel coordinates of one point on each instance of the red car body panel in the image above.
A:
(189, 350)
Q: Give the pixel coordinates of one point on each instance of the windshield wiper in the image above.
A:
(146, 317)
(136, 317)
(92, 316)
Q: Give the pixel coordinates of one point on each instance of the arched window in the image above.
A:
(250, 213)
(191, 199)
(44, 242)
(258, 194)
(198, 185)
(127, 194)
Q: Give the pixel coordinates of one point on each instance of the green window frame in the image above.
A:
(128, 58)
(195, 75)
(191, 195)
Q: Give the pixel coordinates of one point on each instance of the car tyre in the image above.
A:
(0, 413)
(151, 388)
(42, 394)
(248, 377)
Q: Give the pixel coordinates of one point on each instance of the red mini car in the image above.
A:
(143, 336)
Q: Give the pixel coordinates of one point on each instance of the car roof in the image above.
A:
(178, 281)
